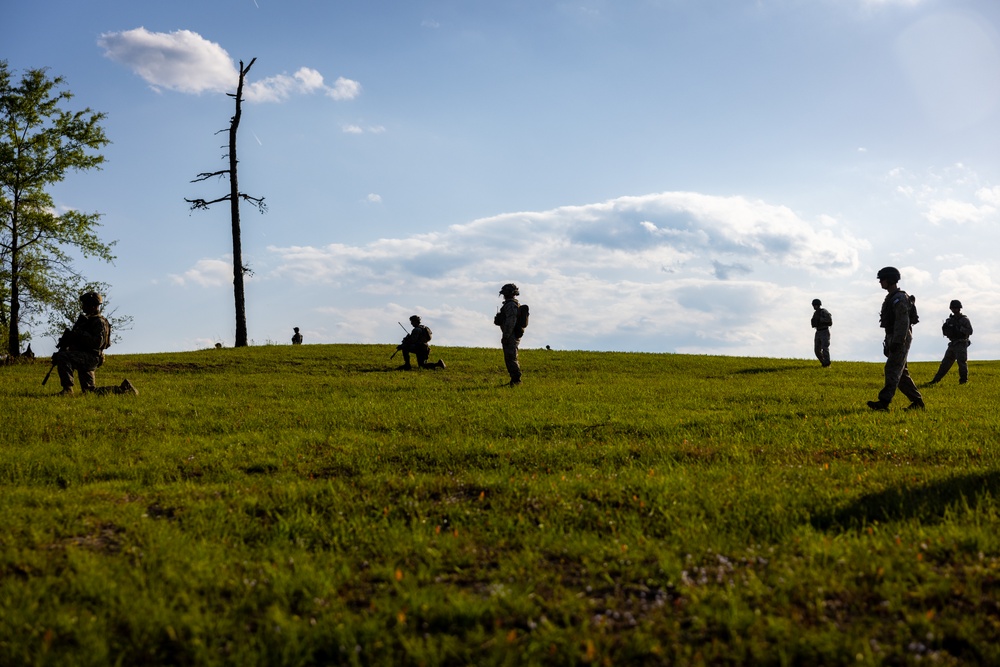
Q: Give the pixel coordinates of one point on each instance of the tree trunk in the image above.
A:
(234, 203)
(14, 328)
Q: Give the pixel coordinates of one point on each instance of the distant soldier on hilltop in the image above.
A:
(821, 322)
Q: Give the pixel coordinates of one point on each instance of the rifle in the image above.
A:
(60, 344)
(51, 368)
(399, 347)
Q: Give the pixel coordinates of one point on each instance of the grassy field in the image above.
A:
(306, 505)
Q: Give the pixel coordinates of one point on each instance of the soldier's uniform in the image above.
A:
(81, 349)
(510, 333)
(957, 328)
(417, 342)
(821, 322)
(895, 319)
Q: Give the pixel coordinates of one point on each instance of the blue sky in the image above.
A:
(656, 175)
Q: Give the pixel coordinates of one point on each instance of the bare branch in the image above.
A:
(201, 203)
(205, 175)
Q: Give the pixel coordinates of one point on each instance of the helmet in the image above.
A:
(91, 299)
(414, 319)
(817, 302)
(889, 273)
(510, 289)
(955, 303)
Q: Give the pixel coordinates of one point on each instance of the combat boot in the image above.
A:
(440, 364)
(916, 405)
(127, 388)
(878, 405)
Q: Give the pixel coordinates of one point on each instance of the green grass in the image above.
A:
(285, 505)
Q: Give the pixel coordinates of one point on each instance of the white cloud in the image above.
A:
(374, 198)
(182, 60)
(344, 89)
(188, 63)
(206, 273)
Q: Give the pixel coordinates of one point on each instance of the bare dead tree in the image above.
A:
(234, 197)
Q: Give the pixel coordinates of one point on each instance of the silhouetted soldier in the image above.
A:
(81, 349)
(297, 337)
(821, 322)
(957, 329)
(895, 318)
(510, 331)
(418, 343)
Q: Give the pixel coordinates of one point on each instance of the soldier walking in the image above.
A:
(895, 319)
(957, 329)
(821, 322)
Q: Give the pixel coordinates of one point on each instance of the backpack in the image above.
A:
(914, 316)
(107, 333)
(522, 316)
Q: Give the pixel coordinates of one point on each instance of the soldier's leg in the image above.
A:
(825, 347)
(962, 357)
(908, 388)
(88, 379)
(818, 346)
(511, 361)
(64, 366)
(946, 362)
(406, 358)
(894, 367)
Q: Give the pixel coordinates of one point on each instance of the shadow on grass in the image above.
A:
(928, 503)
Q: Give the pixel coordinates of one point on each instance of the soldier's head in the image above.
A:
(414, 320)
(91, 302)
(817, 303)
(296, 329)
(955, 306)
(509, 291)
(888, 276)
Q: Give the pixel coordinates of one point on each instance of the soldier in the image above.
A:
(895, 318)
(417, 342)
(957, 328)
(81, 349)
(821, 322)
(297, 337)
(510, 339)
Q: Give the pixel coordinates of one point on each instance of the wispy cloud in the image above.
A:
(206, 273)
(672, 271)
(186, 62)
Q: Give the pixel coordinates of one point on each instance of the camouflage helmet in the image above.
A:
(817, 303)
(889, 274)
(955, 303)
(509, 290)
(88, 299)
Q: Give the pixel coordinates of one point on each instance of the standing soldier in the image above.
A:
(510, 332)
(417, 342)
(895, 318)
(821, 322)
(296, 337)
(81, 349)
(957, 328)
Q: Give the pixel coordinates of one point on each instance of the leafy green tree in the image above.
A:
(40, 143)
(234, 197)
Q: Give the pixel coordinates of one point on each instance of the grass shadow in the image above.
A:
(927, 503)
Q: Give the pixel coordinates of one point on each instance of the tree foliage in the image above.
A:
(41, 142)
(234, 197)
